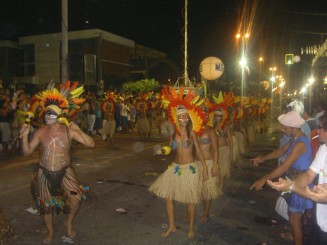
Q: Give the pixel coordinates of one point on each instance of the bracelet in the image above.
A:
(290, 190)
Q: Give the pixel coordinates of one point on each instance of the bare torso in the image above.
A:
(184, 149)
(56, 144)
(222, 135)
(206, 144)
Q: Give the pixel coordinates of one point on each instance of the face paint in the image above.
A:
(183, 118)
(50, 117)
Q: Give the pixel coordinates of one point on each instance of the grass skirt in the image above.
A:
(180, 183)
(143, 126)
(210, 188)
(109, 128)
(224, 161)
(235, 149)
(6, 230)
(241, 142)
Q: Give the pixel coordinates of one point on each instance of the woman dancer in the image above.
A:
(181, 181)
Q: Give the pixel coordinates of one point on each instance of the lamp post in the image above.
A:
(272, 79)
(281, 85)
(311, 81)
(244, 39)
(261, 60)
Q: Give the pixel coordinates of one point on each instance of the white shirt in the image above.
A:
(319, 166)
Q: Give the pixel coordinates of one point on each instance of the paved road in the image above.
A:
(118, 178)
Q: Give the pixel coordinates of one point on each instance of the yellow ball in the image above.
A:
(165, 150)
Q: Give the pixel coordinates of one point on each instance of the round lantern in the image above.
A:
(211, 68)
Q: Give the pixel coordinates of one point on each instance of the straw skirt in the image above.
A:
(241, 142)
(180, 183)
(6, 230)
(143, 126)
(224, 161)
(210, 188)
(108, 128)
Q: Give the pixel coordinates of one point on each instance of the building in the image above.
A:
(93, 55)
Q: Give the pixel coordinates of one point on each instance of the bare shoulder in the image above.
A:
(41, 130)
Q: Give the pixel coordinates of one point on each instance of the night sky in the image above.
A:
(276, 26)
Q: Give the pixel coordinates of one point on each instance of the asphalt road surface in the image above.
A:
(118, 177)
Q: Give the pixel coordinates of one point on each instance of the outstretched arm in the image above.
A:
(318, 193)
(298, 149)
(272, 155)
(297, 185)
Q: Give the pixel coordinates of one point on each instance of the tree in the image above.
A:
(141, 86)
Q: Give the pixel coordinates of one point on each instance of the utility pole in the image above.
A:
(64, 41)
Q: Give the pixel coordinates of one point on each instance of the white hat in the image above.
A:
(297, 106)
(291, 119)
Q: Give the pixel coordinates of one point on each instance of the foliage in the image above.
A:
(141, 86)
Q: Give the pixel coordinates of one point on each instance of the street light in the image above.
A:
(281, 85)
(243, 62)
(272, 79)
(311, 81)
(261, 60)
(243, 37)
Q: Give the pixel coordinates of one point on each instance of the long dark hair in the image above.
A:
(189, 127)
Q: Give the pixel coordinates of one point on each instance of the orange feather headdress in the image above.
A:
(109, 97)
(191, 102)
(61, 101)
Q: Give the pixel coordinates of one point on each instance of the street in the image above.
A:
(120, 210)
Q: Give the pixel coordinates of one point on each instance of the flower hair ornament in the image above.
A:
(189, 103)
(61, 101)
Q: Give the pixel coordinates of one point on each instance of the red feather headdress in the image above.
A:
(190, 101)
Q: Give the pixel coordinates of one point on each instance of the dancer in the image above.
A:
(108, 109)
(225, 143)
(210, 188)
(181, 181)
(54, 186)
(142, 124)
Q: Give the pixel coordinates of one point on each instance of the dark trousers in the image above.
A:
(323, 238)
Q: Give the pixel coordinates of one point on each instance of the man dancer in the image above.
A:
(55, 186)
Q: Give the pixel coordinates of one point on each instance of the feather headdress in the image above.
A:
(217, 108)
(109, 97)
(61, 100)
(192, 104)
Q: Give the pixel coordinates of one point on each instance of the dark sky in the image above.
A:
(277, 26)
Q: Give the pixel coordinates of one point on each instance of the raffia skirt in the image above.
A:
(240, 141)
(180, 183)
(143, 126)
(108, 128)
(210, 188)
(250, 133)
(6, 230)
(224, 161)
(236, 152)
